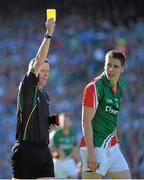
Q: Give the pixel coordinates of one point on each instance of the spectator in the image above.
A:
(65, 149)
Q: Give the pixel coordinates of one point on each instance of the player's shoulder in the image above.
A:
(56, 131)
(97, 81)
(29, 77)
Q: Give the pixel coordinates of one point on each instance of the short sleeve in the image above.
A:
(90, 96)
(28, 83)
(27, 89)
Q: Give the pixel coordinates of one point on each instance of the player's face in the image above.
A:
(66, 122)
(44, 74)
(113, 69)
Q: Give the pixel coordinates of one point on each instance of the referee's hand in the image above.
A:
(52, 126)
(50, 25)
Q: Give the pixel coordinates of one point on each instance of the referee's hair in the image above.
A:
(116, 55)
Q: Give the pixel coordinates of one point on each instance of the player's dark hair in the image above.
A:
(116, 55)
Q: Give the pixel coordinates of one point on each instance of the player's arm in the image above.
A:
(57, 145)
(87, 116)
(75, 153)
(57, 152)
(44, 47)
(88, 112)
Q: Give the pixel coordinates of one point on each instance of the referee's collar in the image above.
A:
(40, 89)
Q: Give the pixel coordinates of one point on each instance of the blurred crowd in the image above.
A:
(76, 56)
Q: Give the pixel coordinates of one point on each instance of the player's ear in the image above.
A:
(105, 66)
(38, 78)
(122, 70)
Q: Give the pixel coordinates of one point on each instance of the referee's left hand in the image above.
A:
(50, 25)
(52, 126)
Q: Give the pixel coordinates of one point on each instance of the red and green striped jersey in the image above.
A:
(100, 95)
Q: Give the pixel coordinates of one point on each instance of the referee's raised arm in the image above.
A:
(44, 47)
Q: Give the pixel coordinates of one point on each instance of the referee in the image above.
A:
(31, 157)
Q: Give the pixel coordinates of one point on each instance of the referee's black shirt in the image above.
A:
(32, 111)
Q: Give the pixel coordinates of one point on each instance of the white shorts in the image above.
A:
(110, 159)
(65, 168)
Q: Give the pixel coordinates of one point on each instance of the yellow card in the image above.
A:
(51, 14)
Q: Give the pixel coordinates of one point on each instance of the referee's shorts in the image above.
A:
(30, 161)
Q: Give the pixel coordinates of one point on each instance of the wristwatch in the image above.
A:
(47, 36)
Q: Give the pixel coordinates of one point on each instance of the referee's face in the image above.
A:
(44, 74)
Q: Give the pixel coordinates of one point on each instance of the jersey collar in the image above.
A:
(106, 81)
